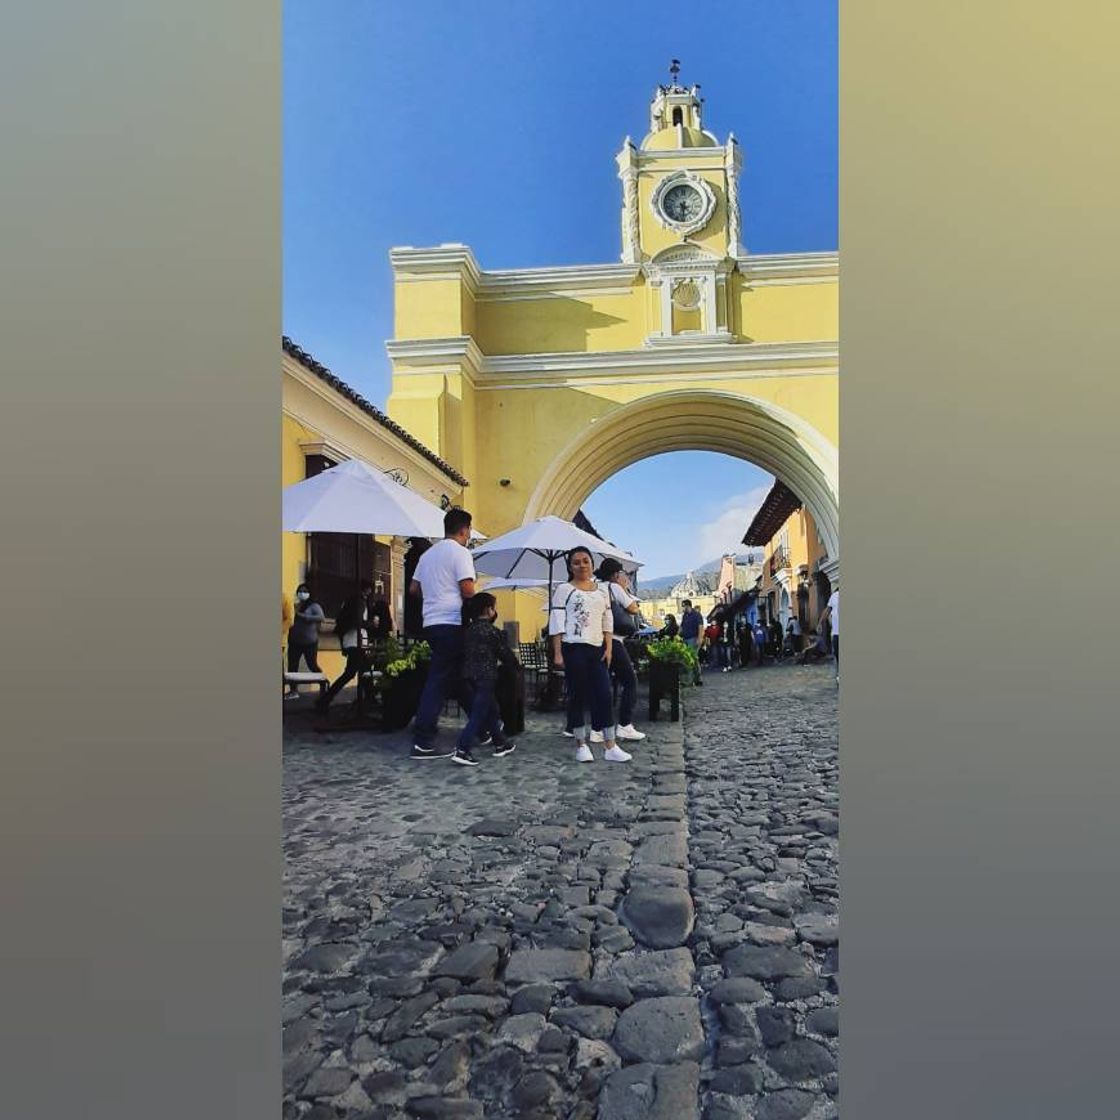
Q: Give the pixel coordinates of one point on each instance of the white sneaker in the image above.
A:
(629, 731)
(596, 736)
(616, 754)
(583, 754)
(568, 735)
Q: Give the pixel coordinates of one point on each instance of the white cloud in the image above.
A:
(725, 533)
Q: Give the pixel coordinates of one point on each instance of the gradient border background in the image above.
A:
(140, 416)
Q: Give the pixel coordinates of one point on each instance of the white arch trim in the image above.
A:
(773, 438)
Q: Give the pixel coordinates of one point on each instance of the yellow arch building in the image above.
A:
(539, 384)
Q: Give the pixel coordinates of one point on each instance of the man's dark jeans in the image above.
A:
(445, 677)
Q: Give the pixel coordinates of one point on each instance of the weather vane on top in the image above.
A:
(674, 69)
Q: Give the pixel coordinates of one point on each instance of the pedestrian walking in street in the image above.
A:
(303, 637)
(352, 627)
(581, 629)
(745, 642)
(692, 621)
(444, 577)
(670, 629)
(760, 641)
(484, 648)
(774, 645)
(831, 615)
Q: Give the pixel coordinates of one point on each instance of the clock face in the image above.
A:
(682, 203)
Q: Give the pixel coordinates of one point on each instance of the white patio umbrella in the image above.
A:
(537, 550)
(354, 497)
(497, 583)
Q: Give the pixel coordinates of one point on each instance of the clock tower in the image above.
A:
(680, 216)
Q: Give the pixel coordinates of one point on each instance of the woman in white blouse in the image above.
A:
(580, 627)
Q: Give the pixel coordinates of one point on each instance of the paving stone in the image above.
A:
(802, 1060)
(824, 1020)
(660, 1030)
(657, 972)
(534, 1090)
(818, 929)
(413, 1052)
(474, 961)
(765, 962)
(493, 826)
(533, 997)
(590, 1021)
(670, 850)
(738, 1081)
(608, 993)
(650, 1092)
(522, 1031)
(325, 958)
(654, 874)
(785, 1104)
(529, 965)
(401, 1021)
(733, 1051)
(660, 918)
(776, 1024)
(739, 989)
(444, 1108)
(327, 1083)
(799, 987)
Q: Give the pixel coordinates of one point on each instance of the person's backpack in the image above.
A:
(625, 623)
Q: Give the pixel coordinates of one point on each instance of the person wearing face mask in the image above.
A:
(303, 637)
(484, 648)
(581, 630)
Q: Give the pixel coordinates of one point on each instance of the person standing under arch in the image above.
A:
(624, 613)
(581, 628)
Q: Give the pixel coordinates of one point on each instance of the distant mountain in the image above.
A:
(658, 585)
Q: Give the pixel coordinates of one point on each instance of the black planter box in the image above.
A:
(665, 684)
(510, 694)
(400, 697)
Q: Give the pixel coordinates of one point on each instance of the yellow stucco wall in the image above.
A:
(563, 324)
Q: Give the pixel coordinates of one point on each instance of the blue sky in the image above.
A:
(496, 124)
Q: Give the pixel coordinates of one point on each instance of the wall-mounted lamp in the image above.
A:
(444, 502)
(503, 481)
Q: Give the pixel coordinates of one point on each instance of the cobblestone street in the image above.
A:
(536, 938)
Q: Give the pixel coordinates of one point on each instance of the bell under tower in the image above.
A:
(680, 215)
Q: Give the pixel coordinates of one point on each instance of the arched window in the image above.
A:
(678, 115)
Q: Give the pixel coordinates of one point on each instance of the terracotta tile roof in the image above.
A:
(352, 395)
(776, 508)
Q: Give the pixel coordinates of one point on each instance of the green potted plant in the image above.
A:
(402, 683)
(668, 657)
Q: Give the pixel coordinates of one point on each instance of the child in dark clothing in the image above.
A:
(484, 646)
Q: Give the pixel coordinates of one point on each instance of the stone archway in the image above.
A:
(772, 438)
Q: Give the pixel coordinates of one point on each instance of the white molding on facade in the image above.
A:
(459, 354)
(455, 261)
(672, 356)
(812, 268)
(695, 155)
(675, 355)
(327, 448)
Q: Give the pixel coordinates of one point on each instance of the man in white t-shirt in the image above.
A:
(445, 577)
(832, 613)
